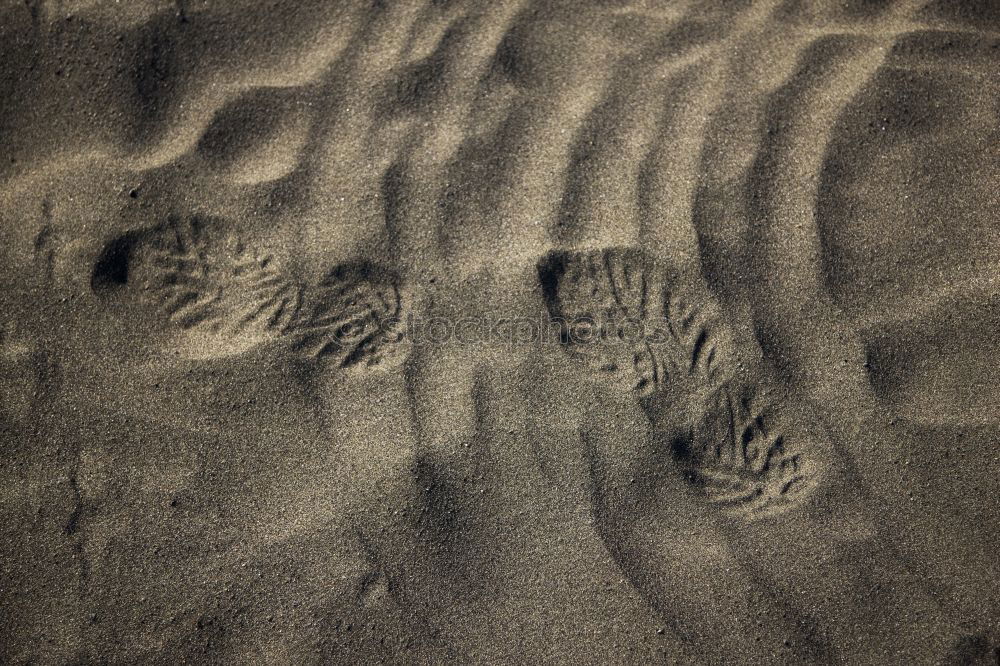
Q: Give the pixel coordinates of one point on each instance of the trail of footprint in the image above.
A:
(216, 297)
(657, 335)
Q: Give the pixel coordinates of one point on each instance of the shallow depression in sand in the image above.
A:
(222, 442)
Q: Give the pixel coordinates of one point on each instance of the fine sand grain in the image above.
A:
(445, 331)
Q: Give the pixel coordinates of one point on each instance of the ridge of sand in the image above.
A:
(219, 443)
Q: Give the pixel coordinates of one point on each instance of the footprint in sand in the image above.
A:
(352, 319)
(215, 296)
(643, 327)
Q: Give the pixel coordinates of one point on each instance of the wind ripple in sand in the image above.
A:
(441, 147)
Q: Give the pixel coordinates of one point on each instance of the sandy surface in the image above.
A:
(313, 332)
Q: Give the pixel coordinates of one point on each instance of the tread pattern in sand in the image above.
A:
(202, 278)
(632, 320)
(741, 459)
(648, 335)
(224, 297)
(352, 317)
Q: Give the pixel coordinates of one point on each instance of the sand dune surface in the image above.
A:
(649, 331)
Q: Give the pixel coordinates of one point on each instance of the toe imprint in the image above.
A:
(640, 324)
(738, 454)
(353, 317)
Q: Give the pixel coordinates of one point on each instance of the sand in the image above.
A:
(499, 332)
